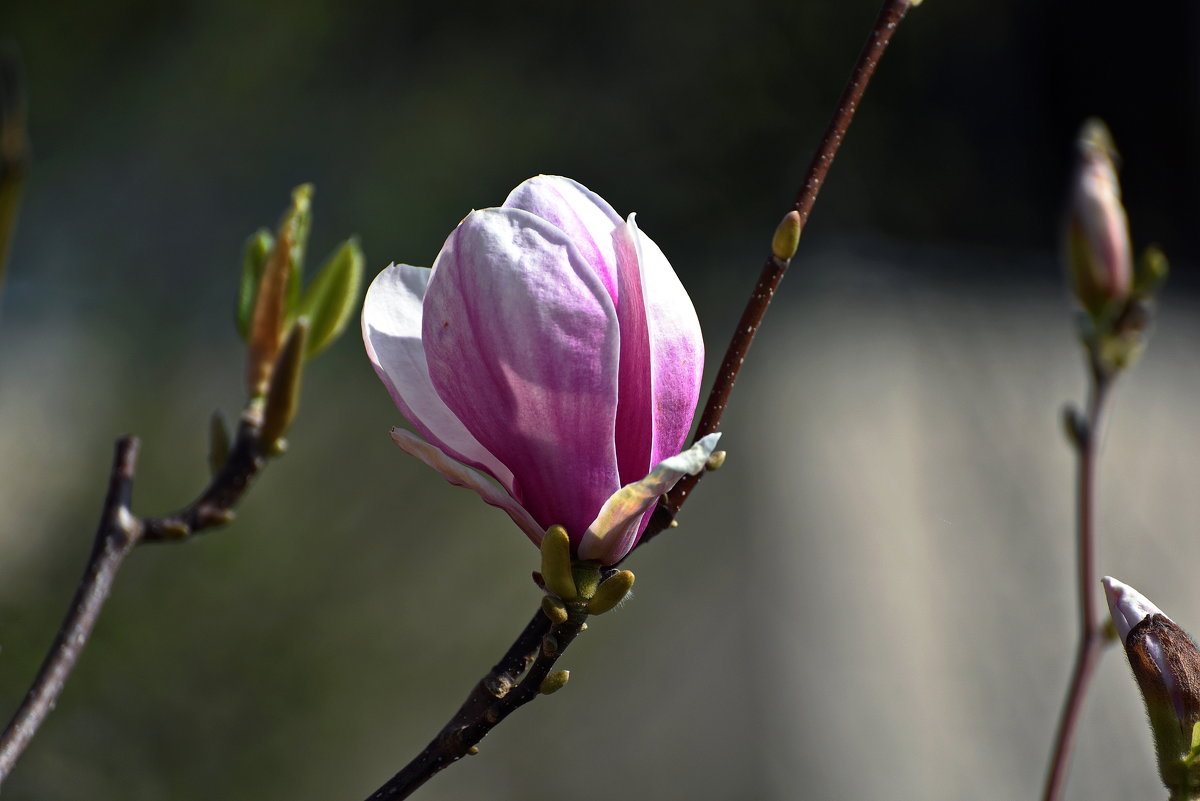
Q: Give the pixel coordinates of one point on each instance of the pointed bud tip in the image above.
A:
(1128, 606)
(787, 237)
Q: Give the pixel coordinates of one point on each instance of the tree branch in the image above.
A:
(1092, 639)
(890, 16)
(539, 645)
(118, 534)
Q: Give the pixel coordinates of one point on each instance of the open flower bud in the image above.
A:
(1098, 251)
(1166, 666)
(552, 348)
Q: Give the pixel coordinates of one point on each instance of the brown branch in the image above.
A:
(889, 18)
(214, 506)
(119, 533)
(539, 646)
(1092, 640)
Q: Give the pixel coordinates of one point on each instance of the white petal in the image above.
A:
(1128, 606)
(613, 533)
(391, 323)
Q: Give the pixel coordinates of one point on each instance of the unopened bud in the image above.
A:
(555, 609)
(611, 592)
(787, 237)
(715, 461)
(1166, 666)
(554, 682)
(556, 563)
(1098, 253)
(283, 390)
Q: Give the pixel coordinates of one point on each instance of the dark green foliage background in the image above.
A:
(307, 651)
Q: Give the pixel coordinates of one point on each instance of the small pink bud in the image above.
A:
(1098, 252)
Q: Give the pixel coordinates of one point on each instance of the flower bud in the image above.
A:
(1098, 252)
(551, 348)
(1166, 666)
(554, 682)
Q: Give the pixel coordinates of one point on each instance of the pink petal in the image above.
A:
(619, 525)
(585, 217)
(522, 343)
(662, 355)
(391, 323)
(460, 475)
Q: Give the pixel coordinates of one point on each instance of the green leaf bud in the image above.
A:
(554, 682)
(556, 563)
(555, 609)
(787, 237)
(611, 592)
(283, 394)
(254, 258)
(329, 301)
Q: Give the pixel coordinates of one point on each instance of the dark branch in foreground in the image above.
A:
(503, 690)
(118, 534)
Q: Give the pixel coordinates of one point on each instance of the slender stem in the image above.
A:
(889, 18)
(214, 506)
(494, 698)
(1091, 633)
(491, 700)
(117, 535)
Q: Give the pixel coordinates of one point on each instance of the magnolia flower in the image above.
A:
(551, 348)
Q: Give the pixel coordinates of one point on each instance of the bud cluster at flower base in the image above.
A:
(550, 360)
(1166, 666)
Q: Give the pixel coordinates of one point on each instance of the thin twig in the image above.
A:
(890, 15)
(539, 646)
(214, 506)
(1091, 632)
(119, 533)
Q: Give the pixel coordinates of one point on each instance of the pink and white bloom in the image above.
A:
(551, 348)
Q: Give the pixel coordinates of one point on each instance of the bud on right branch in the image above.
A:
(1116, 298)
(1166, 666)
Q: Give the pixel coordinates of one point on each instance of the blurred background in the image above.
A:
(875, 597)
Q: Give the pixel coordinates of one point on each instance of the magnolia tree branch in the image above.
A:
(117, 535)
(517, 678)
(119, 532)
(1085, 436)
(890, 16)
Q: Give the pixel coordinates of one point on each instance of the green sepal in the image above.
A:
(611, 592)
(254, 258)
(556, 563)
(329, 301)
(299, 220)
(283, 392)
(1151, 273)
(554, 609)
